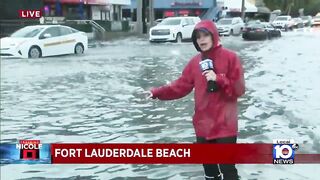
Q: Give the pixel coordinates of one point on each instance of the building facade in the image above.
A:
(110, 10)
(168, 8)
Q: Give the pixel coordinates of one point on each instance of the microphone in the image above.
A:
(207, 64)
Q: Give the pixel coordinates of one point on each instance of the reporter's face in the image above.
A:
(204, 40)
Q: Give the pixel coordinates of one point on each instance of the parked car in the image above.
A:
(283, 22)
(298, 23)
(173, 29)
(307, 20)
(260, 31)
(230, 26)
(316, 20)
(44, 40)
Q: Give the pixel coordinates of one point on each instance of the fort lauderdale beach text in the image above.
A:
(122, 153)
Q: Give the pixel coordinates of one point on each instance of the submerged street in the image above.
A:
(97, 98)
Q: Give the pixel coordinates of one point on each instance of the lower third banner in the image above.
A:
(34, 152)
(177, 154)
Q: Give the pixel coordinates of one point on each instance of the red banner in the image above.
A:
(169, 13)
(168, 154)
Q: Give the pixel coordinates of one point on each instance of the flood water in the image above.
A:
(96, 98)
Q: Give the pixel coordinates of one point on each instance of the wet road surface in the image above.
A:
(96, 98)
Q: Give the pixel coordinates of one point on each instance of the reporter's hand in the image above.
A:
(210, 75)
(142, 94)
(148, 94)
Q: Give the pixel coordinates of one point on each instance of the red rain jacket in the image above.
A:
(215, 113)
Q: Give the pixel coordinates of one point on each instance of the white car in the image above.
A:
(283, 22)
(230, 26)
(316, 20)
(43, 40)
(173, 29)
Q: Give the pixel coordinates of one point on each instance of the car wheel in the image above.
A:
(34, 52)
(179, 38)
(78, 49)
(244, 37)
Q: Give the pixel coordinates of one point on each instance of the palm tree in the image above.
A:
(289, 5)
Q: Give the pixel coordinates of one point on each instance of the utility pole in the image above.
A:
(144, 23)
(139, 17)
(151, 13)
(243, 10)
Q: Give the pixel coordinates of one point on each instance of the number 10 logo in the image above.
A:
(283, 154)
(284, 151)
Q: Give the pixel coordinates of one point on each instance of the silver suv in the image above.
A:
(230, 26)
(283, 22)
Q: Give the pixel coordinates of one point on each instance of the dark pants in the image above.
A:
(220, 171)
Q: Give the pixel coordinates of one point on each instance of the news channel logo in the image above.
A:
(25, 152)
(206, 64)
(284, 151)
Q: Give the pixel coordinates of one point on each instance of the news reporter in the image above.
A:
(215, 119)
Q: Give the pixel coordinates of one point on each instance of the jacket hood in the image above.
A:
(209, 26)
